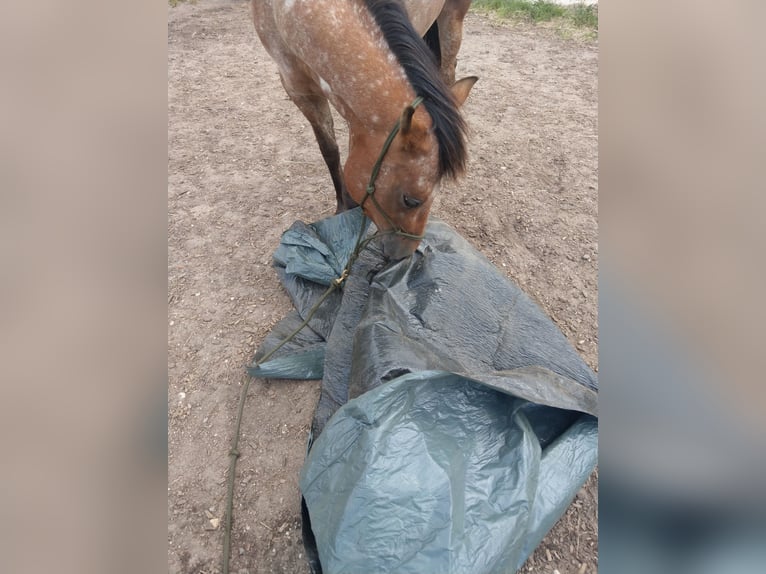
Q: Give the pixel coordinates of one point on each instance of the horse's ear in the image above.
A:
(413, 130)
(462, 88)
(406, 120)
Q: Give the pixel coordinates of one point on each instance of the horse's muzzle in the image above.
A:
(396, 247)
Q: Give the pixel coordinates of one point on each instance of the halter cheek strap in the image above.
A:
(395, 230)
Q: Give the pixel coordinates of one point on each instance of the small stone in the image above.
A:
(586, 257)
(214, 522)
(241, 551)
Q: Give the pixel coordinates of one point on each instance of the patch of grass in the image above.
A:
(542, 11)
(585, 16)
(174, 3)
(537, 11)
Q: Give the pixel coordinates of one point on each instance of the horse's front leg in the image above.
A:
(317, 111)
(450, 23)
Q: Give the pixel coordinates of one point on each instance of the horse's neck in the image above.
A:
(375, 107)
(351, 61)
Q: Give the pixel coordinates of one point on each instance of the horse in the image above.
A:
(369, 60)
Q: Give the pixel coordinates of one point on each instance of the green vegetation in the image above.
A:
(585, 16)
(537, 11)
(542, 11)
(174, 3)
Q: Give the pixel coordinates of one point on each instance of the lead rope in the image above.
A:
(335, 284)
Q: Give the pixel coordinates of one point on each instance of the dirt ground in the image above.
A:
(243, 165)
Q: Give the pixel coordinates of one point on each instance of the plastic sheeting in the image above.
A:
(455, 422)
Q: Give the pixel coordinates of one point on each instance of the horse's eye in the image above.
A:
(411, 202)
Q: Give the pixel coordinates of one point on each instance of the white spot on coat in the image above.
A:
(325, 86)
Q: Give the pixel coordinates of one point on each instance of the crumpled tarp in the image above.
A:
(455, 422)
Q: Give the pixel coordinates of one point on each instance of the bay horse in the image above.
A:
(369, 60)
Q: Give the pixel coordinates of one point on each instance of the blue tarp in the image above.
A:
(455, 422)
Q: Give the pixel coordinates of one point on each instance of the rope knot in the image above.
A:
(343, 276)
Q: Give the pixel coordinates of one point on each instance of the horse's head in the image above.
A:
(404, 186)
(408, 178)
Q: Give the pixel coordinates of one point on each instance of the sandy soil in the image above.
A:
(243, 165)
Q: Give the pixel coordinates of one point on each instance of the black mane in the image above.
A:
(422, 71)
